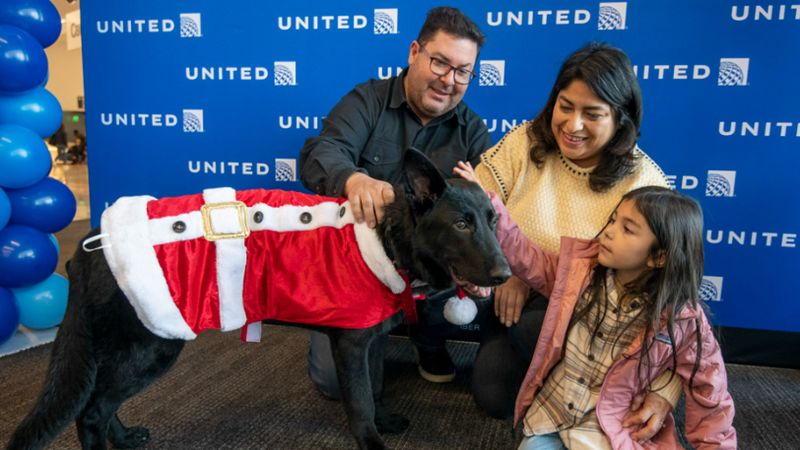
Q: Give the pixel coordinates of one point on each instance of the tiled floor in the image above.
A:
(77, 179)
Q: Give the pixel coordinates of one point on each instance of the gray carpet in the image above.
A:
(223, 394)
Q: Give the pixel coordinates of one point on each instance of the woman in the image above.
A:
(562, 174)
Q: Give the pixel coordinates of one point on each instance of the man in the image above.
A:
(359, 152)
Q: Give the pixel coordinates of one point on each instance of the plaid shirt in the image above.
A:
(567, 399)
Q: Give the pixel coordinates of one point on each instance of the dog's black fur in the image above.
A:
(103, 354)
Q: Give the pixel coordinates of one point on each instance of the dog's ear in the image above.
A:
(423, 179)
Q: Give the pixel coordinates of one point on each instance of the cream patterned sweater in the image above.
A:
(554, 200)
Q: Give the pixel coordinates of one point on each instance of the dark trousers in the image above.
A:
(429, 334)
(504, 356)
(501, 363)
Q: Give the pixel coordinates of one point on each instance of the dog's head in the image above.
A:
(453, 228)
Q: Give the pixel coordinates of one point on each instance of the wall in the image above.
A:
(66, 66)
(718, 79)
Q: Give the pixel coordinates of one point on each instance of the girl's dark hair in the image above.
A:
(609, 74)
(677, 223)
(451, 21)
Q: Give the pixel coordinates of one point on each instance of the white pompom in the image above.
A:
(460, 311)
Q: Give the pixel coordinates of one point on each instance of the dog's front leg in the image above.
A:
(385, 421)
(350, 353)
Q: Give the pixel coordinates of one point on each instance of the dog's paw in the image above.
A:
(391, 423)
(374, 444)
(132, 438)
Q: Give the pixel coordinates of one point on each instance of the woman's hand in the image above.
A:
(509, 298)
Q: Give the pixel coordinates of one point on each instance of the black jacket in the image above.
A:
(371, 127)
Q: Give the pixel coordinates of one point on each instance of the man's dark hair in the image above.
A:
(451, 21)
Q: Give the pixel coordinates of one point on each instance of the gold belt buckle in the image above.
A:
(208, 228)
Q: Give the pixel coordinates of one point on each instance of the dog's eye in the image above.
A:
(460, 225)
(492, 219)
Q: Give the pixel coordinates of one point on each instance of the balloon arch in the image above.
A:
(32, 205)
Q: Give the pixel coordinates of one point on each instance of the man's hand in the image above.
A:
(509, 298)
(367, 197)
(648, 415)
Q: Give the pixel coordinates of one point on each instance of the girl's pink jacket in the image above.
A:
(563, 278)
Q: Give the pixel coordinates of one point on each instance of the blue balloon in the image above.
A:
(26, 256)
(54, 240)
(46, 79)
(23, 62)
(43, 305)
(36, 109)
(26, 152)
(9, 315)
(5, 208)
(48, 205)
(40, 18)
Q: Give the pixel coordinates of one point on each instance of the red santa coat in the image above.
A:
(225, 259)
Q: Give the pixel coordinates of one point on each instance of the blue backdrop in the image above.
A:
(181, 96)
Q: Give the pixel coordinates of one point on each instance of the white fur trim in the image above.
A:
(132, 259)
(231, 260)
(460, 311)
(376, 259)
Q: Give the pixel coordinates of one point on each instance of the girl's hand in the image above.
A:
(646, 416)
(465, 171)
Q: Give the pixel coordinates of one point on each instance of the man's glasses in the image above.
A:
(441, 68)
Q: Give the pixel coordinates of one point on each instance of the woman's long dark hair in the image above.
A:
(609, 74)
(677, 223)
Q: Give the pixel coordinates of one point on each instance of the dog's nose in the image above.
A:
(499, 275)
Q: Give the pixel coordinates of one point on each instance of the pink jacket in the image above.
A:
(563, 278)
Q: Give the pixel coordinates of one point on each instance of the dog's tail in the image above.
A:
(71, 374)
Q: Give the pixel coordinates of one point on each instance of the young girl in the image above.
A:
(623, 311)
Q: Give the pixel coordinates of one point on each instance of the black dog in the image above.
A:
(438, 231)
